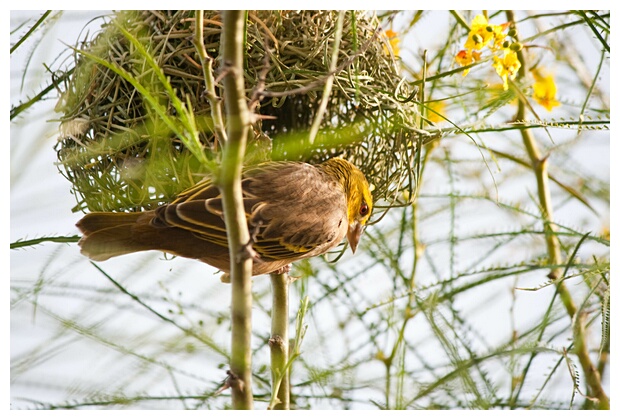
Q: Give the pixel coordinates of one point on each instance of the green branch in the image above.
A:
(31, 30)
(22, 243)
(280, 387)
(327, 89)
(229, 182)
(207, 69)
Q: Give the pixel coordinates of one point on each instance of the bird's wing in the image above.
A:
(189, 212)
(305, 210)
(293, 210)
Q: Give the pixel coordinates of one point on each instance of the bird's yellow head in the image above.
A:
(359, 198)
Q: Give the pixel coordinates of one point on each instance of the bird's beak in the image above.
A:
(354, 234)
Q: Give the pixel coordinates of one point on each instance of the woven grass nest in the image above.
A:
(120, 156)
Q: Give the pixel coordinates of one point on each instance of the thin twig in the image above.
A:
(329, 82)
(207, 69)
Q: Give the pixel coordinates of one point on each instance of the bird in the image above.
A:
(294, 211)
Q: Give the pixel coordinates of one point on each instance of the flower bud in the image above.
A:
(516, 46)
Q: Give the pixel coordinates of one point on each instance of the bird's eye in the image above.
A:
(364, 209)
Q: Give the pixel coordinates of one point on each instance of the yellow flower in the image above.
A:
(437, 111)
(545, 90)
(499, 36)
(507, 67)
(479, 35)
(606, 232)
(393, 40)
(482, 34)
(467, 57)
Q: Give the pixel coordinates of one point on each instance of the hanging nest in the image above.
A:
(121, 154)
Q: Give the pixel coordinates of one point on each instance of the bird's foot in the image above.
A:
(282, 270)
(247, 252)
(285, 270)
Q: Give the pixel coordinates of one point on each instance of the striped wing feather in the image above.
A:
(293, 209)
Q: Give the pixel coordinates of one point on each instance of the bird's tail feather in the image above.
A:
(108, 235)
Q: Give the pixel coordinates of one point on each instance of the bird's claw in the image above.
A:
(248, 252)
(282, 270)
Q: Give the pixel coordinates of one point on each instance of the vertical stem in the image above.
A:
(539, 165)
(207, 70)
(279, 341)
(314, 129)
(229, 182)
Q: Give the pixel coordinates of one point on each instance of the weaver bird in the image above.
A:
(294, 211)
